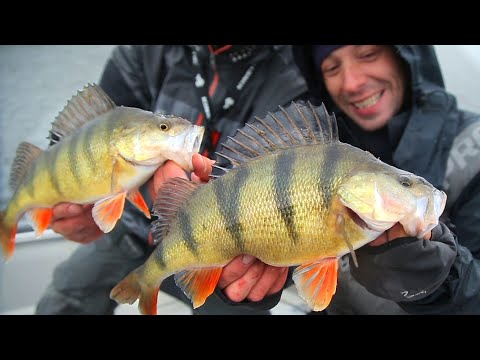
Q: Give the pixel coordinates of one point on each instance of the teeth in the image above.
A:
(367, 102)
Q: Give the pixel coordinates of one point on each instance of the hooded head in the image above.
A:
(421, 61)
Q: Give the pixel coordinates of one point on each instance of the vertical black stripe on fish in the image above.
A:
(228, 201)
(283, 175)
(187, 231)
(87, 148)
(51, 164)
(159, 255)
(327, 172)
(73, 154)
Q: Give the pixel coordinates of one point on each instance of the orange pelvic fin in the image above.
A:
(148, 302)
(40, 219)
(7, 237)
(129, 290)
(107, 211)
(316, 282)
(198, 284)
(137, 199)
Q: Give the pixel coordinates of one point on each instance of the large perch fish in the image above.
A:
(296, 195)
(105, 153)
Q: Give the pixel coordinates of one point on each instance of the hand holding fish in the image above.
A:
(395, 232)
(383, 268)
(202, 167)
(246, 277)
(75, 222)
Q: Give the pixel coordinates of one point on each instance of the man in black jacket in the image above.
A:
(218, 86)
(391, 101)
(394, 104)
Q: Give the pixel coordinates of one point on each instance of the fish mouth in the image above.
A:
(194, 139)
(426, 216)
(357, 219)
(368, 220)
(192, 143)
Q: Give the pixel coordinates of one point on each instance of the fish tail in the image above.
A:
(7, 236)
(130, 289)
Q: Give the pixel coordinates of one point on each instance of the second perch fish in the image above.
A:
(296, 196)
(105, 153)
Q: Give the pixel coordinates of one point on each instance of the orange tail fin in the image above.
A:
(7, 237)
(129, 290)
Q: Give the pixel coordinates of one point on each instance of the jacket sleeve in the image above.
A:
(440, 276)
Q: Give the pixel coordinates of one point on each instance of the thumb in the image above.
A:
(202, 167)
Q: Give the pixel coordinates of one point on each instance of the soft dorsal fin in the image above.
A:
(171, 196)
(25, 156)
(298, 124)
(86, 105)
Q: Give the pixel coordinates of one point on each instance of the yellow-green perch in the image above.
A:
(105, 153)
(292, 194)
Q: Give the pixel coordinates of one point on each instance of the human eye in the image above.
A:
(330, 68)
(368, 52)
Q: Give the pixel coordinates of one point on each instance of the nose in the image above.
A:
(353, 78)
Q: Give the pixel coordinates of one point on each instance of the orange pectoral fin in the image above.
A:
(136, 199)
(316, 282)
(40, 219)
(106, 212)
(198, 284)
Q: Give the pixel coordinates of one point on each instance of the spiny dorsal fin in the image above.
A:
(25, 156)
(171, 196)
(83, 107)
(298, 124)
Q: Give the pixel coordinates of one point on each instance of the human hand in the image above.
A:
(395, 232)
(202, 167)
(75, 222)
(410, 268)
(246, 277)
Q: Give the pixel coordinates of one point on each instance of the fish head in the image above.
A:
(382, 198)
(154, 139)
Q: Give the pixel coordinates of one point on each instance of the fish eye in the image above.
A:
(164, 126)
(405, 181)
